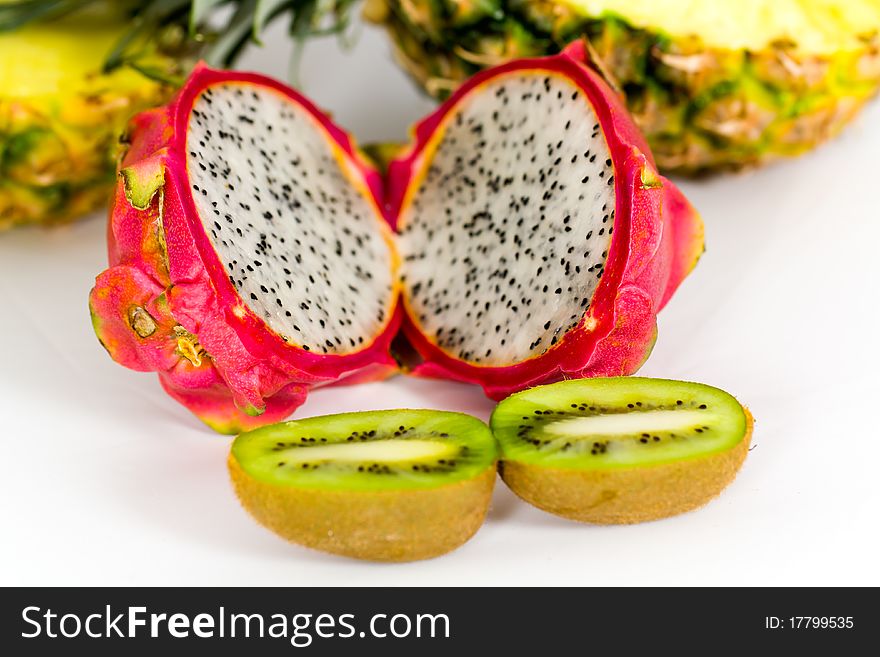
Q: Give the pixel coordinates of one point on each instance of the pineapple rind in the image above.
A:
(702, 108)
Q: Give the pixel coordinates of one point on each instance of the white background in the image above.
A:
(107, 481)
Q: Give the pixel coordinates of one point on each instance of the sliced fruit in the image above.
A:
(620, 450)
(252, 225)
(538, 240)
(254, 235)
(383, 485)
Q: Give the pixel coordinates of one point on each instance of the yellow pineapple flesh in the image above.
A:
(60, 115)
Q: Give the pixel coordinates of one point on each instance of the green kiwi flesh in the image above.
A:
(382, 485)
(622, 449)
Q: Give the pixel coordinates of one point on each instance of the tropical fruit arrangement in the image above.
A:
(414, 484)
(524, 237)
(712, 84)
(256, 255)
(525, 240)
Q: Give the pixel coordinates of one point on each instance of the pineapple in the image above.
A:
(60, 114)
(72, 72)
(713, 84)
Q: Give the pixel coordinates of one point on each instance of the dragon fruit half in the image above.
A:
(254, 254)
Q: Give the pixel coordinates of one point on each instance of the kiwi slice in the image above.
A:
(382, 485)
(620, 450)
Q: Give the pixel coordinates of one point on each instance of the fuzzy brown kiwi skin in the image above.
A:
(405, 525)
(629, 495)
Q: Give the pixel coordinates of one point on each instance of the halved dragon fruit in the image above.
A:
(539, 242)
(252, 256)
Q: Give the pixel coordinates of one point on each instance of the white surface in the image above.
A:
(108, 481)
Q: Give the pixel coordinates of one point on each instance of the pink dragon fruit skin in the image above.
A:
(658, 238)
(166, 304)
